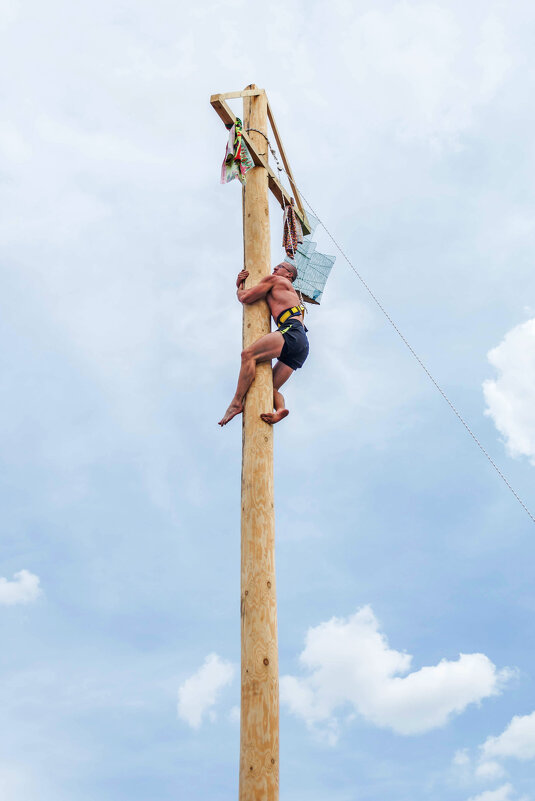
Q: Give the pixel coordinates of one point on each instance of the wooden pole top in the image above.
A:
(228, 117)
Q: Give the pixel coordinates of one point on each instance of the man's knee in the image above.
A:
(247, 355)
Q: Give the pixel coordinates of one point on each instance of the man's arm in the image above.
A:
(255, 293)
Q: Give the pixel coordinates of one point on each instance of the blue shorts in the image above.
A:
(295, 349)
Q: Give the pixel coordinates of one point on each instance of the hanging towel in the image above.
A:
(292, 234)
(237, 161)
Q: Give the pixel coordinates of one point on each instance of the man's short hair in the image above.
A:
(293, 268)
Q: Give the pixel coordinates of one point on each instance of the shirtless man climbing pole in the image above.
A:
(289, 344)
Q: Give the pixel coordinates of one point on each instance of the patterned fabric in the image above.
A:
(237, 161)
(292, 234)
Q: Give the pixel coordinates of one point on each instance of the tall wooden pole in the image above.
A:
(259, 727)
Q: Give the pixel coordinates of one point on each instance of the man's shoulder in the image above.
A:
(281, 281)
(269, 279)
(276, 282)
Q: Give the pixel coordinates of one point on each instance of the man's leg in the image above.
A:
(264, 349)
(281, 374)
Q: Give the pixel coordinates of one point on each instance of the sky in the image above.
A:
(404, 563)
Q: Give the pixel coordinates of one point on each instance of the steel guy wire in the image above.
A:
(402, 337)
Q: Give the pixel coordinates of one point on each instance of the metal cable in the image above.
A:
(404, 340)
(420, 362)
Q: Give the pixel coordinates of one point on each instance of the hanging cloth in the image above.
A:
(237, 161)
(292, 234)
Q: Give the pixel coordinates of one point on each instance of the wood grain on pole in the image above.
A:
(259, 726)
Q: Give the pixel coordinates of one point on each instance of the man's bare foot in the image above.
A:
(232, 411)
(274, 417)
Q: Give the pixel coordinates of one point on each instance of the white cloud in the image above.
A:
(97, 146)
(510, 398)
(8, 13)
(350, 663)
(198, 694)
(502, 793)
(16, 782)
(428, 73)
(461, 758)
(489, 770)
(22, 590)
(517, 740)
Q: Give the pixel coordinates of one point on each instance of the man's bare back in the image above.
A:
(280, 295)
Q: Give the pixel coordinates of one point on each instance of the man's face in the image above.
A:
(283, 269)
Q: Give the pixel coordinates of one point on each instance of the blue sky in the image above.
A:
(404, 564)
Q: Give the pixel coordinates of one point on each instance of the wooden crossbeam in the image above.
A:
(228, 117)
(245, 93)
(285, 160)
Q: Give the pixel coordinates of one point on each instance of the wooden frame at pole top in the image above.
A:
(257, 147)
